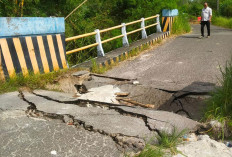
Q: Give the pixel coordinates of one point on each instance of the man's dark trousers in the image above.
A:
(203, 23)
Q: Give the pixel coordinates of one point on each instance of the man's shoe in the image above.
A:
(201, 37)
(208, 36)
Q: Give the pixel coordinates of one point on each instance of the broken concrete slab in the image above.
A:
(106, 120)
(23, 136)
(162, 120)
(51, 106)
(103, 94)
(158, 120)
(11, 101)
(200, 88)
(205, 147)
(58, 96)
(152, 96)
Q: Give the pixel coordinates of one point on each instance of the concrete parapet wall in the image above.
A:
(25, 49)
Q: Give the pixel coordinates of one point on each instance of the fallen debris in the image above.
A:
(103, 94)
(122, 94)
(115, 78)
(134, 103)
(135, 82)
(204, 147)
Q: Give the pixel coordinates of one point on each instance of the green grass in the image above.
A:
(97, 69)
(181, 25)
(151, 151)
(222, 22)
(32, 81)
(170, 141)
(166, 143)
(219, 106)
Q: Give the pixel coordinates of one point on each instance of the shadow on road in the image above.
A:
(192, 37)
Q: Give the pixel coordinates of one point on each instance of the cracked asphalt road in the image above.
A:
(180, 61)
(44, 123)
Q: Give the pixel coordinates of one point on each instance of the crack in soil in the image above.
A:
(177, 95)
(182, 109)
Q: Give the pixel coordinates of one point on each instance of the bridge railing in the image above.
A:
(124, 35)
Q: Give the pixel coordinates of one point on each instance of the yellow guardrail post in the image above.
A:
(100, 51)
(158, 27)
(124, 39)
(144, 33)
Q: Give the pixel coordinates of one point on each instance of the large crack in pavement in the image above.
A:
(125, 136)
(110, 106)
(148, 115)
(122, 141)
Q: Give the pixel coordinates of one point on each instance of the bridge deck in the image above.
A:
(119, 51)
(181, 61)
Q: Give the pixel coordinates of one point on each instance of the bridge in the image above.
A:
(181, 60)
(121, 110)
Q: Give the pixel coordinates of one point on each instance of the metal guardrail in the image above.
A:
(124, 35)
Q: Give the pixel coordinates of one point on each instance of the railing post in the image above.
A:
(100, 51)
(144, 33)
(158, 27)
(124, 39)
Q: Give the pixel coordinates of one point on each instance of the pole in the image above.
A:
(76, 9)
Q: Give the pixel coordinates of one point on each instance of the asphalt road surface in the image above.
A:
(181, 61)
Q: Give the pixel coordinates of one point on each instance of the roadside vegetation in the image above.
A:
(221, 17)
(167, 144)
(222, 21)
(32, 81)
(219, 106)
(181, 24)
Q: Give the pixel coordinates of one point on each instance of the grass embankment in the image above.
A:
(219, 106)
(32, 81)
(222, 21)
(167, 144)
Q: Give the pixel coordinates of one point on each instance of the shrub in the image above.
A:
(222, 21)
(220, 104)
(181, 24)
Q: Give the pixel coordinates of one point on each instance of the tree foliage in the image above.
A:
(226, 8)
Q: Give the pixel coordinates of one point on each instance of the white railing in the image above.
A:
(124, 35)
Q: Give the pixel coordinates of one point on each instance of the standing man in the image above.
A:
(206, 17)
